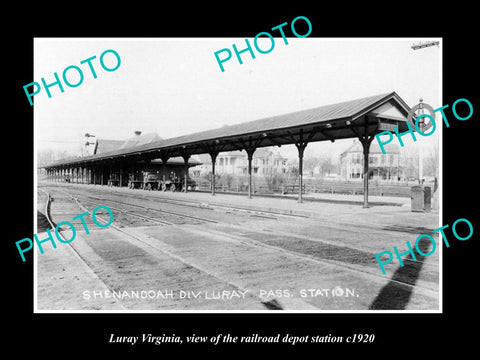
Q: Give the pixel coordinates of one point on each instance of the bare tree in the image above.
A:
(410, 161)
(325, 163)
(431, 160)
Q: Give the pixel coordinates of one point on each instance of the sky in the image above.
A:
(174, 86)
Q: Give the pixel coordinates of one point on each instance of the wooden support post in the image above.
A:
(366, 146)
(185, 156)
(250, 149)
(213, 155)
(300, 172)
(132, 165)
(366, 140)
(250, 152)
(301, 145)
(164, 158)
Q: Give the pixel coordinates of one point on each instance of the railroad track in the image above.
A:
(371, 275)
(325, 224)
(136, 239)
(267, 214)
(154, 209)
(74, 251)
(332, 225)
(269, 304)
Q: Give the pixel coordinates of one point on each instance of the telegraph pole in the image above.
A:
(420, 152)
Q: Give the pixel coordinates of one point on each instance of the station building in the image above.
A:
(361, 118)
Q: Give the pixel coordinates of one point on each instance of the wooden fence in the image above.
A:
(310, 187)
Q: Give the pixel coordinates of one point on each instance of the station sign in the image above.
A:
(386, 126)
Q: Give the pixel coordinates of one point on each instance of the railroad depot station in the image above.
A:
(162, 164)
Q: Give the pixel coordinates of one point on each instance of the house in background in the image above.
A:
(382, 166)
(265, 161)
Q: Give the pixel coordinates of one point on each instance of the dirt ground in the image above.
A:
(243, 262)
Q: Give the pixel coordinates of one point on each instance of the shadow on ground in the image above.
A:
(417, 230)
(395, 296)
(42, 222)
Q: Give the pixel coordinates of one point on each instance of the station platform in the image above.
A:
(384, 211)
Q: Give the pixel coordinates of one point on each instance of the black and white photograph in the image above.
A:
(225, 180)
(292, 174)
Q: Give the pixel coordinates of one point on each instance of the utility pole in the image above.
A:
(88, 136)
(421, 122)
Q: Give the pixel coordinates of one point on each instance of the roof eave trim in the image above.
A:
(392, 95)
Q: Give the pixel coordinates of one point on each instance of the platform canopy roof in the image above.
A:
(342, 120)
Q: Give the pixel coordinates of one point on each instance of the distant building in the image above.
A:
(105, 145)
(265, 161)
(174, 167)
(381, 166)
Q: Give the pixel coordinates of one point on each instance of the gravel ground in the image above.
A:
(189, 263)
